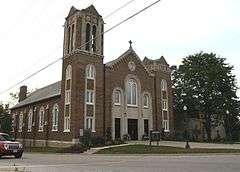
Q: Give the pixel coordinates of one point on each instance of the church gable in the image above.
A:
(131, 59)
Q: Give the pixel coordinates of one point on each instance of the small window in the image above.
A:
(20, 125)
(164, 85)
(69, 72)
(55, 113)
(89, 122)
(90, 72)
(67, 118)
(67, 110)
(41, 119)
(67, 97)
(30, 117)
(164, 105)
(146, 101)
(117, 97)
(90, 97)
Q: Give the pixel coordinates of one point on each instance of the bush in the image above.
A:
(77, 148)
(87, 138)
(98, 141)
(115, 142)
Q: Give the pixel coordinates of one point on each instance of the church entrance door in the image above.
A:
(133, 128)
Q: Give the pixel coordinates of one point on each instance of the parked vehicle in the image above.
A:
(8, 146)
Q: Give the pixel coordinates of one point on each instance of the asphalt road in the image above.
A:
(123, 163)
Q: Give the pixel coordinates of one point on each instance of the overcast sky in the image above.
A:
(31, 34)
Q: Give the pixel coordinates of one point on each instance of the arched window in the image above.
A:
(20, 124)
(55, 113)
(145, 101)
(68, 87)
(88, 33)
(94, 31)
(72, 38)
(164, 100)
(68, 39)
(164, 85)
(90, 72)
(41, 119)
(117, 97)
(68, 84)
(132, 92)
(30, 118)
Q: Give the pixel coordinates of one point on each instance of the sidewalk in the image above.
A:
(192, 144)
(94, 150)
(170, 143)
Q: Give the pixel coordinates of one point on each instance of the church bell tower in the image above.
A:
(83, 30)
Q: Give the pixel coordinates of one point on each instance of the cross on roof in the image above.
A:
(130, 43)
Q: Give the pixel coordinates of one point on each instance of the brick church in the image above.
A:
(124, 97)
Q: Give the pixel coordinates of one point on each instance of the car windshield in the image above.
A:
(2, 138)
(6, 137)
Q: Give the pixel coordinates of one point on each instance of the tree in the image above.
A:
(205, 83)
(5, 119)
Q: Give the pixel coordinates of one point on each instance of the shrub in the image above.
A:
(87, 138)
(77, 148)
(98, 141)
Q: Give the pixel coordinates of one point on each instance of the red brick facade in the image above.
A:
(87, 90)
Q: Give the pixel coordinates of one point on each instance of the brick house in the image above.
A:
(123, 96)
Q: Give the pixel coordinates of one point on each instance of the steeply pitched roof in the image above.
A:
(160, 60)
(41, 94)
(126, 54)
(72, 11)
(92, 10)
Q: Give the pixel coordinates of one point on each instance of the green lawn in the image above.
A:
(146, 149)
(42, 150)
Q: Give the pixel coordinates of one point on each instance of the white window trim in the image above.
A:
(131, 97)
(146, 96)
(67, 117)
(90, 72)
(164, 85)
(91, 92)
(119, 98)
(163, 107)
(167, 125)
(55, 127)
(30, 123)
(20, 122)
(87, 124)
(41, 127)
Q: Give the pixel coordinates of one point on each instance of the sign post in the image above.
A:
(154, 137)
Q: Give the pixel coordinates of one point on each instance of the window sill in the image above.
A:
(117, 104)
(29, 131)
(40, 130)
(54, 130)
(89, 103)
(66, 131)
(167, 131)
(133, 106)
(145, 107)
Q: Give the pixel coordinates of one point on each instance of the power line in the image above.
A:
(37, 61)
(124, 5)
(55, 61)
